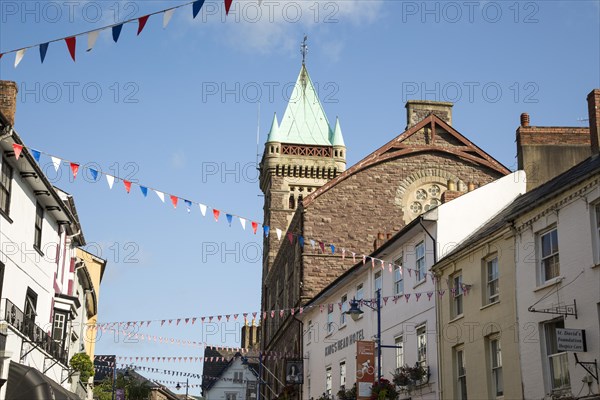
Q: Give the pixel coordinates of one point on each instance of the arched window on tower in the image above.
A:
(292, 202)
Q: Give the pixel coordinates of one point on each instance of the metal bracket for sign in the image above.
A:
(588, 370)
(567, 309)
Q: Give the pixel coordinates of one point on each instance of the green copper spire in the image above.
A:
(274, 132)
(304, 121)
(338, 139)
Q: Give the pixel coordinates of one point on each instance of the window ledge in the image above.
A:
(457, 318)
(40, 252)
(5, 215)
(596, 266)
(489, 305)
(419, 283)
(549, 283)
(342, 326)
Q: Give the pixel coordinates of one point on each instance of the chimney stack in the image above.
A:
(593, 100)
(524, 120)
(417, 110)
(8, 100)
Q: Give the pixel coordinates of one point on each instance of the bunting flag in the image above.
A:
(74, 169)
(160, 195)
(116, 32)
(216, 214)
(43, 50)
(142, 23)
(127, 186)
(36, 154)
(17, 148)
(243, 223)
(111, 180)
(254, 227)
(144, 191)
(19, 56)
(278, 231)
(227, 6)
(290, 237)
(167, 17)
(188, 205)
(196, 6)
(229, 218)
(71, 44)
(174, 200)
(91, 41)
(202, 209)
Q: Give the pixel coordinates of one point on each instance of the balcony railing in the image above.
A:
(27, 326)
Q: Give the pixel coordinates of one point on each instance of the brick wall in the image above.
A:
(8, 100)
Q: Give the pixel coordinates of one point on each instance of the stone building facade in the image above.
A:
(347, 208)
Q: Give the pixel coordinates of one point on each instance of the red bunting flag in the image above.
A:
(142, 23)
(216, 214)
(18, 148)
(127, 185)
(227, 6)
(71, 45)
(74, 169)
(174, 200)
(290, 237)
(254, 226)
(322, 246)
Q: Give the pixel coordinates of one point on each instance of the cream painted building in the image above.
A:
(408, 318)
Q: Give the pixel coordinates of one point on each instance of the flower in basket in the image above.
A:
(383, 390)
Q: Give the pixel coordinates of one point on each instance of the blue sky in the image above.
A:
(177, 109)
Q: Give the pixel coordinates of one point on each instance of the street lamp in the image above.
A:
(355, 312)
(186, 387)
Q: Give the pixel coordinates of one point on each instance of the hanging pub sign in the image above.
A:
(293, 372)
(571, 340)
(365, 368)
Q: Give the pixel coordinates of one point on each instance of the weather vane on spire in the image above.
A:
(304, 49)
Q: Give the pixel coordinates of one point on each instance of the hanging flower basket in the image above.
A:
(383, 390)
(407, 377)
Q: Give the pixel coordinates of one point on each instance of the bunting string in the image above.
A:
(92, 35)
(291, 236)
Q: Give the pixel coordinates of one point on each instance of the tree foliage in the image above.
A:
(82, 363)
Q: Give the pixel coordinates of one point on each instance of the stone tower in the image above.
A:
(301, 154)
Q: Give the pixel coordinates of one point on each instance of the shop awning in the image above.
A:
(26, 383)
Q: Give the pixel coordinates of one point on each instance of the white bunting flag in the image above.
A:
(56, 162)
(202, 209)
(160, 195)
(243, 222)
(92, 37)
(19, 56)
(167, 17)
(111, 180)
(278, 233)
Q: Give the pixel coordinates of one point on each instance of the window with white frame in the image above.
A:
(328, 381)
(557, 361)
(420, 263)
(343, 374)
(461, 373)
(398, 277)
(457, 295)
(6, 173)
(399, 343)
(550, 266)
(238, 376)
(343, 310)
(359, 292)
(496, 366)
(59, 327)
(492, 284)
(330, 318)
(422, 346)
(378, 281)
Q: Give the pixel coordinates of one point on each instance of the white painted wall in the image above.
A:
(26, 268)
(450, 224)
(223, 386)
(580, 281)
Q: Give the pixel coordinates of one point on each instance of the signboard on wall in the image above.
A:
(571, 340)
(293, 372)
(365, 369)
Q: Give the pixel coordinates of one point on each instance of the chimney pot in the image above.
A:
(524, 119)
(380, 236)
